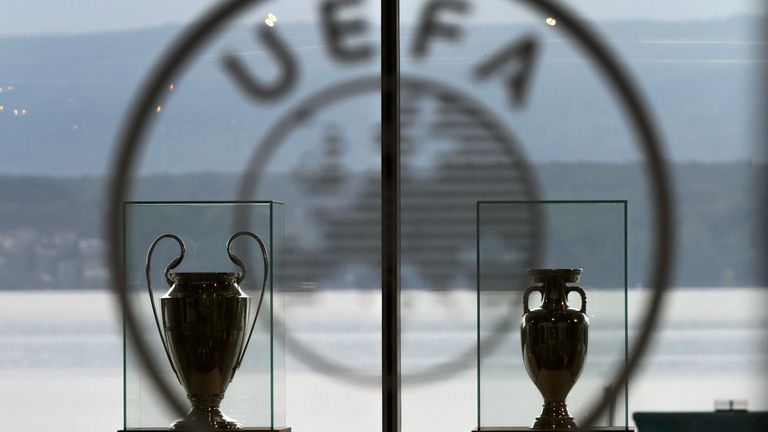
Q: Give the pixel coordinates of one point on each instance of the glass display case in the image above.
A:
(524, 350)
(206, 297)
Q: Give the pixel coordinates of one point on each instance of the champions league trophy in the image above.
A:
(203, 331)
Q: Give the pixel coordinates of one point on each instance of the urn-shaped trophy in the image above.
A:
(554, 341)
(204, 330)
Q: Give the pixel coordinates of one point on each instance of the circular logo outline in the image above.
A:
(193, 38)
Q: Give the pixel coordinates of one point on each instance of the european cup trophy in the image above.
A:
(205, 333)
(554, 342)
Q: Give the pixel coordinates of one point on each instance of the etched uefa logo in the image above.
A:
(294, 96)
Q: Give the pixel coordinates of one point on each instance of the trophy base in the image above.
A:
(209, 418)
(554, 424)
(554, 417)
(245, 429)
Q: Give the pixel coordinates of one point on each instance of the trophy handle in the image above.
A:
(172, 265)
(531, 289)
(583, 295)
(238, 262)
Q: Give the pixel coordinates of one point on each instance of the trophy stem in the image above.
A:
(206, 415)
(554, 416)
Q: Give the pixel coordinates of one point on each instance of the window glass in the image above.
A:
(497, 102)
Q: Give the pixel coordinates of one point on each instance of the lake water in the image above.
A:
(61, 359)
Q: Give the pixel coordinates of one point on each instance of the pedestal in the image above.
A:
(527, 429)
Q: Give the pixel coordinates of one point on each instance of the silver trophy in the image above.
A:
(203, 331)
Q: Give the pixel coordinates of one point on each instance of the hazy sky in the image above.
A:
(19, 17)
